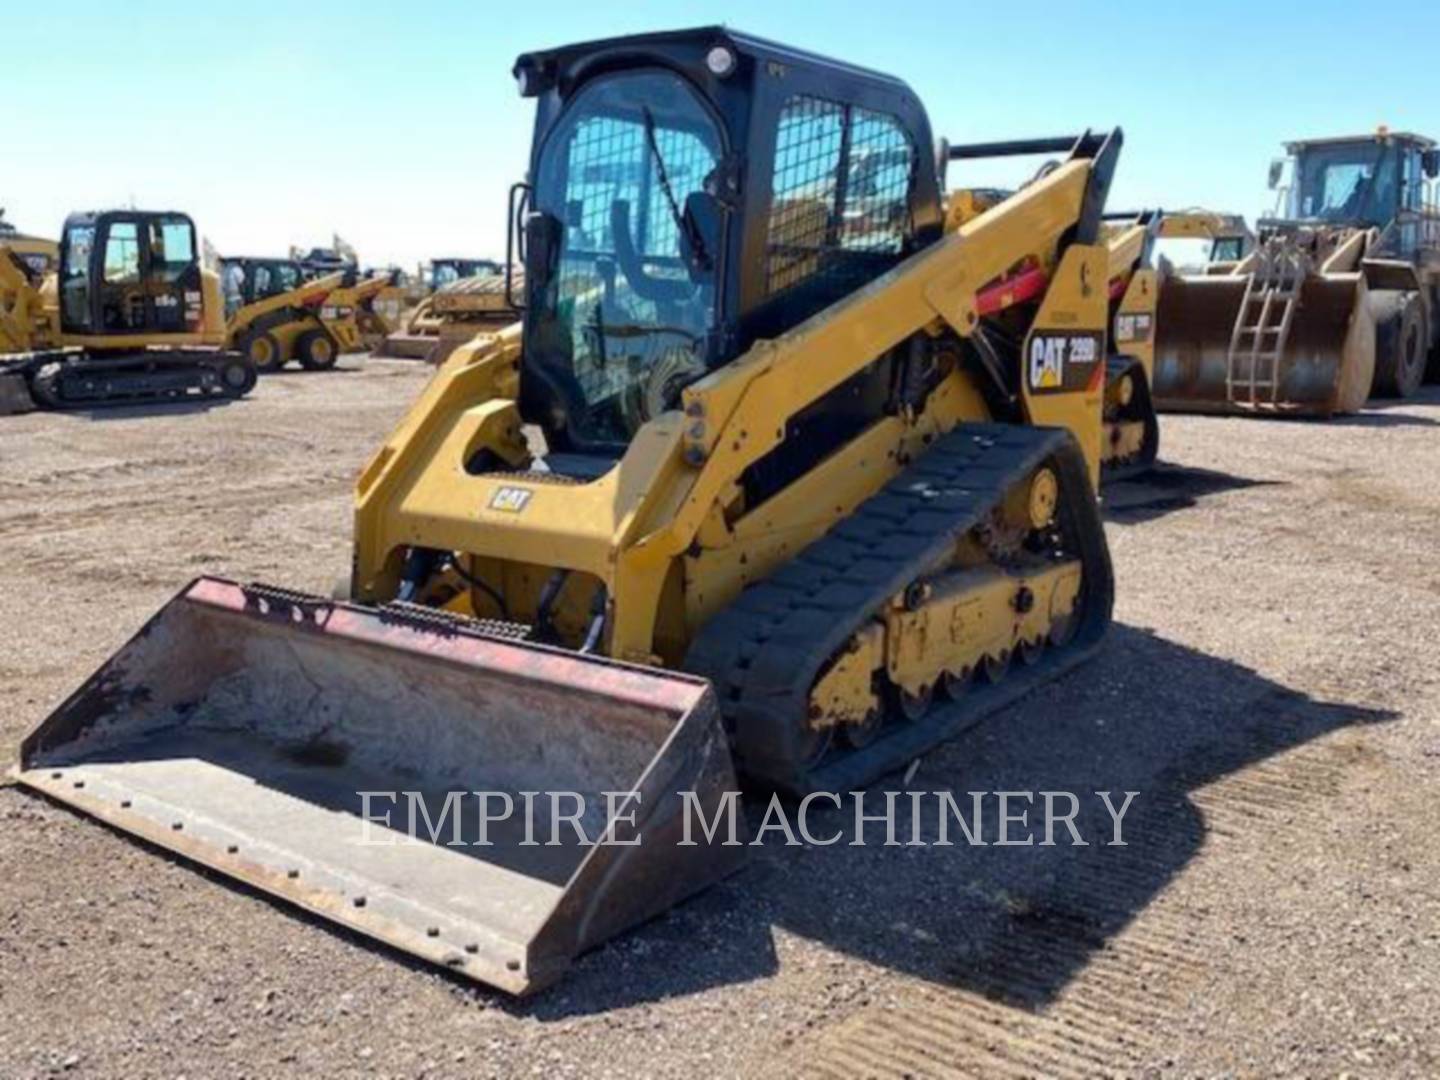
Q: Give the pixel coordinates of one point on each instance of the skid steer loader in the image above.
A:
(349, 314)
(274, 314)
(128, 317)
(817, 491)
(1337, 301)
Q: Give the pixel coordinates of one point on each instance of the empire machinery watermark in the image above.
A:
(820, 819)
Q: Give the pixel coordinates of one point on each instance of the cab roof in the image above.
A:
(743, 44)
(1373, 136)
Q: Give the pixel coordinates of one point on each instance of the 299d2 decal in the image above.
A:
(1060, 362)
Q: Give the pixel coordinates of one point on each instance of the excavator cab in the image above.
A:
(128, 273)
(688, 194)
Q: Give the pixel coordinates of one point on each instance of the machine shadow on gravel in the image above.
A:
(1014, 923)
(1167, 488)
(154, 409)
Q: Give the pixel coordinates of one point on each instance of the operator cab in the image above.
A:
(246, 280)
(130, 272)
(690, 193)
(446, 271)
(1366, 181)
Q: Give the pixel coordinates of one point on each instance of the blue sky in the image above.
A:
(397, 125)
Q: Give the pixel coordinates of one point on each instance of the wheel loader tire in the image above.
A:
(1401, 344)
(263, 351)
(238, 376)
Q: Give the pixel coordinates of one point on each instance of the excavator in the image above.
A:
(1336, 303)
(808, 488)
(128, 317)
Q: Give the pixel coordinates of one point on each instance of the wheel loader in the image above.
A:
(1336, 303)
(129, 316)
(275, 314)
(809, 488)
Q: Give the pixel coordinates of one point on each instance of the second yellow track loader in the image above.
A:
(815, 491)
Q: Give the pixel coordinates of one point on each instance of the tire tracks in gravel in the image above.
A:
(1110, 1018)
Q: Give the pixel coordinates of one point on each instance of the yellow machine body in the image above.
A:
(805, 556)
(289, 326)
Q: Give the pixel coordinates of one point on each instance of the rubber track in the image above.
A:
(764, 652)
(1141, 407)
(171, 376)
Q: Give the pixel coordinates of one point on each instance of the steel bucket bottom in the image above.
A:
(1326, 367)
(241, 726)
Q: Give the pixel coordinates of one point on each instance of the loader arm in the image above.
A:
(627, 528)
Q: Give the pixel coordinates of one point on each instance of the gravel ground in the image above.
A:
(1270, 690)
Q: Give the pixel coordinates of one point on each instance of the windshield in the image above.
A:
(1359, 183)
(619, 329)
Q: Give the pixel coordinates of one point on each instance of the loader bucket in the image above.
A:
(406, 346)
(1325, 368)
(243, 726)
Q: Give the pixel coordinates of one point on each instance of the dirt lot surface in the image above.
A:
(1271, 690)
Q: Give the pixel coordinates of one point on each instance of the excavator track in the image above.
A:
(66, 379)
(765, 652)
(1140, 408)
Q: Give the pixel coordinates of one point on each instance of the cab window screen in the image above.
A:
(122, 254)
(172, 248)
(840, 195)
(75, 289)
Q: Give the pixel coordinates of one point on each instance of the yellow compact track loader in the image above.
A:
(455, 312)
(129, 316)
(812, 489)
(1337, 301)
(1131, 433)
(274, 314)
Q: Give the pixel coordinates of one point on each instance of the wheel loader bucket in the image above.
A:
(345, 759)
(1325, 367)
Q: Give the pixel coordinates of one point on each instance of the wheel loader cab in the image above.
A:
(126, 273)
(1367, 181)
(690, 193)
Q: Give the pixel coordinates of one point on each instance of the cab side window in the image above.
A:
(840, 195)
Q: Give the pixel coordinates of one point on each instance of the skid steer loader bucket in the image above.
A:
(296, 744)
(1325, 365)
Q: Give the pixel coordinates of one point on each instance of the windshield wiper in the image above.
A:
(699, 257)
